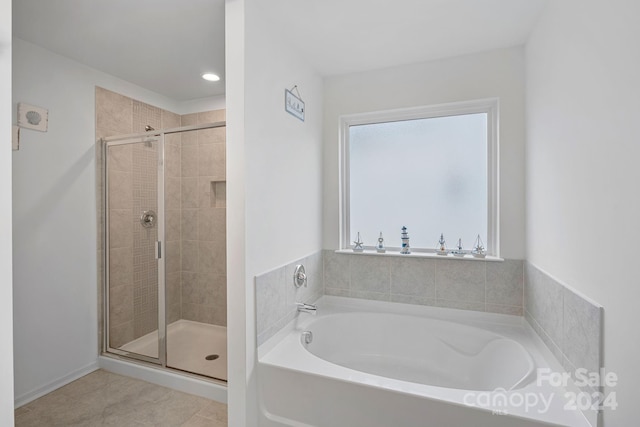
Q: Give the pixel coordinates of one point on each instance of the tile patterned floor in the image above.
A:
(105, 399)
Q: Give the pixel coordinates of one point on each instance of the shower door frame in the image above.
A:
(141, 137)
(162, 331)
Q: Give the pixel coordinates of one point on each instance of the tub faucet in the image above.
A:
(303, 307)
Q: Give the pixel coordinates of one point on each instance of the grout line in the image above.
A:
(485, 286)
(435, 281)
(389, 280)
(349, 276)
(324, 286)
(524, 276)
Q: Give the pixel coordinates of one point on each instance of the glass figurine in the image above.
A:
(406, 249)
(478, 248)
(358, 244)
(380, 248)
(459, 252)
(442, 248)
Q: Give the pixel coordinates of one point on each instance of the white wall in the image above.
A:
(239, 339)
(6, 306)
(498, 73)
(277, 161)
(54, 211)
(201, 104)
(583, 156)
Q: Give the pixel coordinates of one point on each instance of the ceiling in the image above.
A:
(344, 36)
(161, 45)
(165, 45)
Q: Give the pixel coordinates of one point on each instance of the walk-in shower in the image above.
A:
(164, 248)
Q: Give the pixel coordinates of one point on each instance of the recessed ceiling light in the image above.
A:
(211, 77)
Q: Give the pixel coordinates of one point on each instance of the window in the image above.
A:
(432, 169)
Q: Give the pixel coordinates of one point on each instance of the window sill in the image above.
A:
(396, 253)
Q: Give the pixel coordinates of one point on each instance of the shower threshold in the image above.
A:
(190, 347)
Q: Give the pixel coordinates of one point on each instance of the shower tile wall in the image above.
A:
(121, 246)
(133, 181)
(173, 215)
(145, 196)
(203, 200)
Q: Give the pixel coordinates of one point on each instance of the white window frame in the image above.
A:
(490, 106)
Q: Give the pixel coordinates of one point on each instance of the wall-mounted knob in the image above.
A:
(299, 276)
(148, 219)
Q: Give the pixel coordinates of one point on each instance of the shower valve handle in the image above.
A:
(300, 276)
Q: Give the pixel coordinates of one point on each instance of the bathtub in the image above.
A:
(377, 364)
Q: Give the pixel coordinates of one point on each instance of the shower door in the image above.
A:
(134, 255)
(165, 248)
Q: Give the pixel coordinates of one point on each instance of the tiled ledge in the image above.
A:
(432, 255)
(426, 279)
(418, 278)
(568, 323)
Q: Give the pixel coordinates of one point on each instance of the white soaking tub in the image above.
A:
(378, 364)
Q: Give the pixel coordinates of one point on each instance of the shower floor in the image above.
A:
(190, 346)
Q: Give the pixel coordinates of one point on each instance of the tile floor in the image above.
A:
(105, 399)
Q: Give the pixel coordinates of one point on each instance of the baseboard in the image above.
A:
(54, 385)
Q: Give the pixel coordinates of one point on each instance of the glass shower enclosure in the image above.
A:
(164, 250)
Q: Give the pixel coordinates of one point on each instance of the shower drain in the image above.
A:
(212, 357)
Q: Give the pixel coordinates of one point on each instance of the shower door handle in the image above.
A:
(158, 249)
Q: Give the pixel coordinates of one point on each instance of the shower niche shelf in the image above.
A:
(218, 193)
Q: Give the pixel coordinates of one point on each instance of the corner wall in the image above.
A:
(274, 180)
(6, 303)
(54, 211)
(498, 73)
(582, 178)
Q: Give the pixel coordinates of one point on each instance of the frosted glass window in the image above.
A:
(428, 174)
